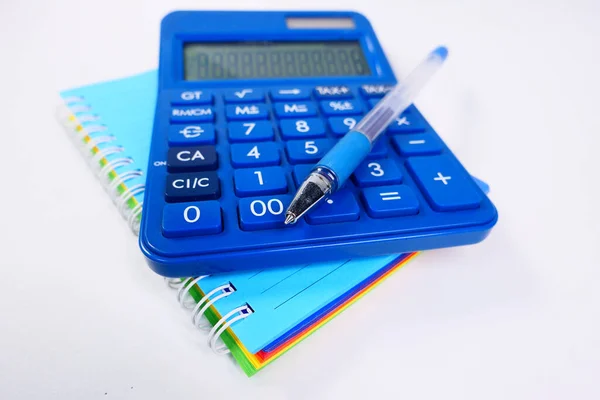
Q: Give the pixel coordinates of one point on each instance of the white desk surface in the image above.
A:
(515, 317)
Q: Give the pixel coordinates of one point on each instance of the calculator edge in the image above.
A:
(186, 266)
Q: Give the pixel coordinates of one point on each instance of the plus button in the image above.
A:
(442, 178)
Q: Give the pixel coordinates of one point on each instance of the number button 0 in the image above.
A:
(308, 151)
(256, 131)
(263, 212)
(190, 219)
(254, 154)
(341, 125)
(302, 128)
(257, 182)
(377, 172)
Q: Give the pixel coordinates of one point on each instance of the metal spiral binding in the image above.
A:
(201, 306)
(224, 323)
(79, 120)
(183, 292)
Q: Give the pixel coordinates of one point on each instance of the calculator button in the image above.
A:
(185, 97)
(375, 90)
(254, 154)
(197, 158)
(379, 150)
(407, 122)
(244, 95)
(390, 201)
(259, 181)
(246, 111)
(341, 125)
(295, 110)
(289, 93)
(340, 207)
(373, 102)
(339, 92)
(341, 107)
(302, 128)
(183, 135)
(192, 114)
(192, 219)
(307, 151)
(301, 171)
(415, 145)
(263, 212)
(444, 183)
(256, 131)
(377, 172)
(192, 186)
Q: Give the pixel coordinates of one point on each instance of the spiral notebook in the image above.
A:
(255, 315)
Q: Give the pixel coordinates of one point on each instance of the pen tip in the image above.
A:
(290, 218)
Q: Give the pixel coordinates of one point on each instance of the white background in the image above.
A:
(515, 317)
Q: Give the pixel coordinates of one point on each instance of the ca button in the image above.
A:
(189, 159)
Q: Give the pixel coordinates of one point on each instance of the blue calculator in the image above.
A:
(248, 102)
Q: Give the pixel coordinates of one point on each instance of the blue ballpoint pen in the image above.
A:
(340, 162)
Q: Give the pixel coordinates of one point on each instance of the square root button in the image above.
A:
(390, 201)
(192, 219)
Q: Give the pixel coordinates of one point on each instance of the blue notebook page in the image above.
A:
(283, 298)
(118, 116)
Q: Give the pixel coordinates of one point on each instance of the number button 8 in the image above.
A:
(302, 128)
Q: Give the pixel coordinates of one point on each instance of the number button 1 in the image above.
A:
(377, 172)
(254, 154)
(253, 182)
(263, 212)
(308, 151)
(302, 128)
(341, 125)
(191, 219)
(256, 131)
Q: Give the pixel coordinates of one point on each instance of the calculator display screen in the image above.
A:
(255, 60)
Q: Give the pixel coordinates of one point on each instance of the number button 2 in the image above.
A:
(191, 219)
(302, 128)
(256, 182)
(263, 212)
(377, 172)
(256, 131)
(308, 151)
(254, 154)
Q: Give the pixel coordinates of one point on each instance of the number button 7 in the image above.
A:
(251, 131)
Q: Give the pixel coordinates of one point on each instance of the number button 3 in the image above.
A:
(377, 172)
(253, 182)
(190, 219)
(254, 154)
(263, 212)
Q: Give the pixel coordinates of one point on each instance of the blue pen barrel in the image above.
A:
(346, 155)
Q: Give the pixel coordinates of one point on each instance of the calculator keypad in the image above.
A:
(274, 137)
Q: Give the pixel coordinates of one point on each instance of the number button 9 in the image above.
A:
(263, 212)
(377, 172)
(341, 125)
